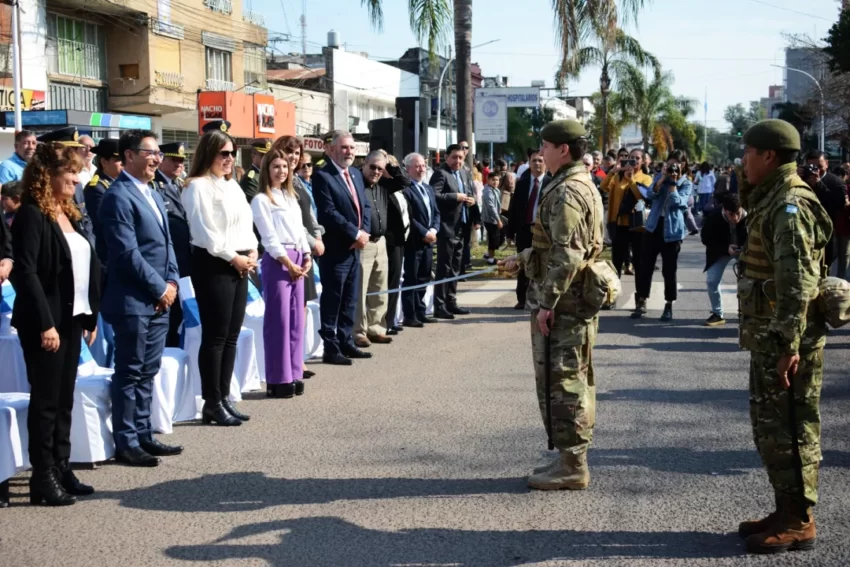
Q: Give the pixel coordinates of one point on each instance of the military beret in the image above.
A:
(173, 150)
(106, 148)
(563, 132)
(222, 125)
(67, 136)
(262, 145)
(773, 134)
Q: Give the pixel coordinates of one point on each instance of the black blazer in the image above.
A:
(5, 240)
(519, 202)
(716, 235)
(445, 191)
(43, 275)
(420, 224)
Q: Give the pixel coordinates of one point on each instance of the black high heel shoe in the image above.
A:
(231, 409)
(307, 374)
(280, 390)
(299, 388)
(71, 483)
(45, 489)
(215, 413)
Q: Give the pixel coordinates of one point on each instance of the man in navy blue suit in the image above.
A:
(345, 212)
(141, 285)
(419, 248)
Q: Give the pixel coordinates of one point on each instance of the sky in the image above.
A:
(726, 47)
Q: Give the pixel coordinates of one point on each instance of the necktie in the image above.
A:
(461, 190)
(354, 198)
(532, 202)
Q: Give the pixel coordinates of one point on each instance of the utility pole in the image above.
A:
(16, 62)
(304, 30)
(705, 128)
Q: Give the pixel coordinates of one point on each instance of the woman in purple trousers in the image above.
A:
(285, 264)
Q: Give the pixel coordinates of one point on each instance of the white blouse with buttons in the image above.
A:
(220, 219)
(279, 223)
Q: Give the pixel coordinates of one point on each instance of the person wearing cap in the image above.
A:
(109, 167)
(785, 331)
(323, 159)
(89, 167)
(566, 236)
(13, 168)
(170, 185)
(250, 181)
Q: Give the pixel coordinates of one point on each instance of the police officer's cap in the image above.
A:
(328, 138)
(106, 148)
(563, 132)
(67, 136)
(222, 125)
(173, 150)
(261, 145)
(773, 134)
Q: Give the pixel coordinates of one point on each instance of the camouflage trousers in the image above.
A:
(773, 428)
(572, 386)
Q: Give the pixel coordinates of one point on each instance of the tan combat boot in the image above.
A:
(546, 466)
(791, 531)
(569, 472)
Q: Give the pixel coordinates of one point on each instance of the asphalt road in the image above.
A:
(418, 457)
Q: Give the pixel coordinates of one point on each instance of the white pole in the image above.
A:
(16, 67)
(705, 128)
(439, 100)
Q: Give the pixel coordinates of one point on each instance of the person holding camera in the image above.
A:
(665, 231)
(625, 185)
(831, 192)
(724, 233)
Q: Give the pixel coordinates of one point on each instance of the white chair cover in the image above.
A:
(313, 346)
(91, 418)
(13, 373)
(14, 440)
(245, 374)
(254, 313)
(8, 302)
(173, 393)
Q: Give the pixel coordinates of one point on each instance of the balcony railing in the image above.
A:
(167, 29)
(77, 59)
(219, 85)
(255, 18)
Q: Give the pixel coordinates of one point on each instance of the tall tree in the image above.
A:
(616, 54)
(616, 118)
(430, 21)
(742, 118)
(463, 70)
(647, 100)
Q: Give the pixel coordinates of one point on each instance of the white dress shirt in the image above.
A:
(81, 267)
(521, 169)
(343, 171)
(279, 223)
(145, 189)
(85, 175)
(220, 218)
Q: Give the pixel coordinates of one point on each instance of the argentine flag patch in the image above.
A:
(791, 209)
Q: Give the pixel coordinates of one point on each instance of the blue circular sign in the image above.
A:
(490, 109)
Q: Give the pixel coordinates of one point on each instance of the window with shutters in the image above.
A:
(255, 68)
(219, 70)
(189, 138)
(75, 48)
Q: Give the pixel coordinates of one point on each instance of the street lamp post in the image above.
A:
(822, 141)
(440, 94)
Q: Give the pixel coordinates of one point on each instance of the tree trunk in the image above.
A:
(604, 123)
(463, 45)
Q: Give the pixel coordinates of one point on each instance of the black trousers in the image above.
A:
(417, 271)
(175, 318)
(523, 241)
(52, 376)
(395, 260)
(621, 241)
(449, 260)
(636, 243)
(221, 294)
(653, 245)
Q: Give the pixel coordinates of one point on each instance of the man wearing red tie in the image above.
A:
(523, 212)
(345, 212)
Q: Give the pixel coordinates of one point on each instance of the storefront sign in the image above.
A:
(81, 119)
(30, 100)
(491, 119)
(264, 115)
(250, 115)
(317, 146)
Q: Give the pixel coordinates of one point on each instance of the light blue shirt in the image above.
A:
(12, 169)
(425, 200)
(461, 190)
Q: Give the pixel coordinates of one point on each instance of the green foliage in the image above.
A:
(646, 102)
(838, 44)
(524, 125)
(616, 119)
(742, 118)
(430, 21)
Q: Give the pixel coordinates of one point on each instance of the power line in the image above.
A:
(762, 2)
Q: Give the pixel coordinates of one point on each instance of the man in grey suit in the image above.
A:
(452, 186)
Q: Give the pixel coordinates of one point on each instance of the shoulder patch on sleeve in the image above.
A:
(94, 180)
(251, 174)
(791, 209)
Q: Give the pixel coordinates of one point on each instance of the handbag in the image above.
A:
(635, 211)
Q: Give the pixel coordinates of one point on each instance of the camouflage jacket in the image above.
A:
(782, 266)
(567, 234)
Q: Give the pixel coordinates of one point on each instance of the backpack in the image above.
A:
(834, 301)
(601, 285)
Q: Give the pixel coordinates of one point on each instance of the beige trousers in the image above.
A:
(374, 271)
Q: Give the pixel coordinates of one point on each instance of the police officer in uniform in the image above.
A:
(69, 137)
(109, 166)
(251, 180)
(567, 235)
(783, 327)
(323, 160)
(169, 183)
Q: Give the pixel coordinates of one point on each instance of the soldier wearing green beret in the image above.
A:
(250, 182)
(784, 330)
(567, 235)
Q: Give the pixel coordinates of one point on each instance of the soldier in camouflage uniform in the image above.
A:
(567, 235)
(784, 330)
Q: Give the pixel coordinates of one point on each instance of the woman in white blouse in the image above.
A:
(286, 264)
(224, 252)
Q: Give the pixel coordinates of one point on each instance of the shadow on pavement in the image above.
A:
(734, 397)
(333, 542)
(244, 491)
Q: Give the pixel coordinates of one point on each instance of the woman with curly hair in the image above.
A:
(57, 281)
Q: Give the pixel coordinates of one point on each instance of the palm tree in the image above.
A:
(616, 54)
(647, 101)
(430, 20)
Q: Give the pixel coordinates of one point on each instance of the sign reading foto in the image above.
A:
(491, 120)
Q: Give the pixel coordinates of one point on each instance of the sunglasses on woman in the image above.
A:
(225, 154)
